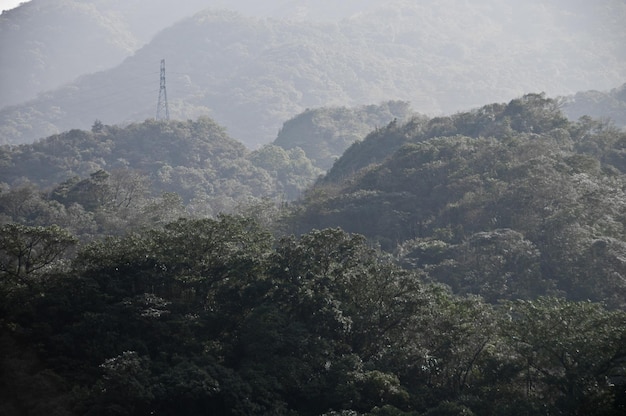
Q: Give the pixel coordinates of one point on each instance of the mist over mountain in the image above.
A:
(46, 44)
(253, 69)
(609, 105)
(470, 263)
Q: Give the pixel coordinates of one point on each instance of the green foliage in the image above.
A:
(569, 351)
(28, 252)
(116, 179)
(173, 314)
(125, 385)
(534, 113)
(449, 409)
(373, 149)
(291, 169)
(501, 201)
(499, 264)
(26, 204)
(214, 315)
(325, 133)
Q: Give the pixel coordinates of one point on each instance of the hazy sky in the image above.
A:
(9, 4)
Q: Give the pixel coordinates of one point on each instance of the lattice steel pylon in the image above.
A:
(163, 111)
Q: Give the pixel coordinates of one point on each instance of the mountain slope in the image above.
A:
(602, 105)
(325, 133)
(195, 159)
(251, 75)
(507, 200)
(41, 50)
(47, 43)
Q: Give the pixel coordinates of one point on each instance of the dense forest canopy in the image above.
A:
(517, 182)
(197, 160)
(292, 248)
(471, 264)
(325, 133)
(216, 316)
(112, 179)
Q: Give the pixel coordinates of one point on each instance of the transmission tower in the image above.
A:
(163, 111)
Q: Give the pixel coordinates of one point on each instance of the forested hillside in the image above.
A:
(214, 316)
(506, 201)
(470, 264)
(110, 179)
(250, 74)
(48, 43)
(325, 133)
(609, 106)
(316, 238)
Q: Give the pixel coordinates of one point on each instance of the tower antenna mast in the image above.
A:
(163, 111)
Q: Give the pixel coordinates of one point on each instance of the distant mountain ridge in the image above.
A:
(610, 105)
(252, 74)
(41, 50)
(48, 43)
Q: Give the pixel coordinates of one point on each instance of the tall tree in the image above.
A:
(27, 252)
(572, 353)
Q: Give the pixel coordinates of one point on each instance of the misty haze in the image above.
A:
(317, 208)
(67, 63)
